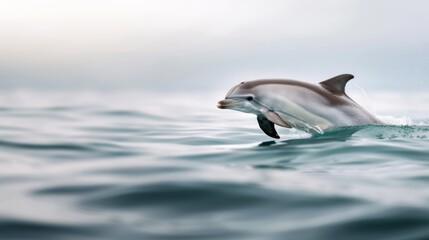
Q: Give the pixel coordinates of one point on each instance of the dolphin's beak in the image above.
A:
(227, 103)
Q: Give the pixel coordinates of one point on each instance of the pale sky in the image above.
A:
(203, 45)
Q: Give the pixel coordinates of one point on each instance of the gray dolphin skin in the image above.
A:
(314, 108)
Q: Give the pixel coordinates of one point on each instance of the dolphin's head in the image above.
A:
(239, 98)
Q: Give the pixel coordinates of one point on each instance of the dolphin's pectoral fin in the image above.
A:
(337, 84)
(267, 126)
(275, 118)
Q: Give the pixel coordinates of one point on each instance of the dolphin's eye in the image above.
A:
(242, 83)
(249, 98)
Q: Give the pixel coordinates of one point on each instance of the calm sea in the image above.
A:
(162, 166)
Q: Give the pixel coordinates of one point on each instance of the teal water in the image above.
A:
(123, 166)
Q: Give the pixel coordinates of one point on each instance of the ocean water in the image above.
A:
(124, 165)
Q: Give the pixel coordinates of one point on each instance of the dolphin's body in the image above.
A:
(313, 108)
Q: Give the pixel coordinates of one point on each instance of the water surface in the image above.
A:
(129, 166)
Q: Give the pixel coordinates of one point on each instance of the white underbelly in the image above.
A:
(302, 118)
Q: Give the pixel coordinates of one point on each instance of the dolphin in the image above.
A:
(313, 108)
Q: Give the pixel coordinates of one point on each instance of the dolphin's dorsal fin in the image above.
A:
(337, 84)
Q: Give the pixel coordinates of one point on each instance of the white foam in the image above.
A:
(396, 120)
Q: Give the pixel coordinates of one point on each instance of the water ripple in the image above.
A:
(177, 171)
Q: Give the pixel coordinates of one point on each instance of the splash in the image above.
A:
(378, 132)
